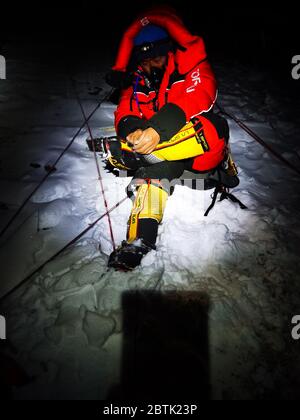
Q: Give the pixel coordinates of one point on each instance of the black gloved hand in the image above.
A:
(119, 158)
(119, 79)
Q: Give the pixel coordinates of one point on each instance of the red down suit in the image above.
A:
(188, 89)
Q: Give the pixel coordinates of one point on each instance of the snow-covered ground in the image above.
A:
(66, 325)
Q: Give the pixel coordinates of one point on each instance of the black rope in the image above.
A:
(72, 242)
(214, 199)
(226, 195)
(259, 140)
(52, 168)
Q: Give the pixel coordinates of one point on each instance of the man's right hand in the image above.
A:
(134, 137)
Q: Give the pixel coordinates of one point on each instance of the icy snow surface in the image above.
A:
(65, 326)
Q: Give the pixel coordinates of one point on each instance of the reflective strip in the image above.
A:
(207, 110)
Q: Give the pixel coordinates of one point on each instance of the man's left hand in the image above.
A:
(147, 142)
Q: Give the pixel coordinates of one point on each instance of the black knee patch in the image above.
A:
(220, 123)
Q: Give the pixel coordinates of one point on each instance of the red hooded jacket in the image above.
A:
(188, 88)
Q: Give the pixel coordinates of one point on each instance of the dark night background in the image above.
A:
(260, 34)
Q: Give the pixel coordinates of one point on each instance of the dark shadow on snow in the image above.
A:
(165, 346)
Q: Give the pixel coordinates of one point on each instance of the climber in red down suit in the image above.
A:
(164, 120)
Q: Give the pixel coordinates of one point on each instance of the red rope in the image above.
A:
(260, 140)
(72, 242)
(97, 166)
(16, 214)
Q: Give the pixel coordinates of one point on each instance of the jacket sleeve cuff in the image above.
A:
(129, 124)
(168, 121)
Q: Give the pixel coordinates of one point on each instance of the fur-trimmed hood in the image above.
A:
(176, 30)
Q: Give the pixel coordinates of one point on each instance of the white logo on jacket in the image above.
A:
(145, 21)
(195, 76)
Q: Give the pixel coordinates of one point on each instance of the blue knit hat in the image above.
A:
(152, 41)
(150, 33)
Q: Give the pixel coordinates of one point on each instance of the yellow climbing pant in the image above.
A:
(150, 203)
